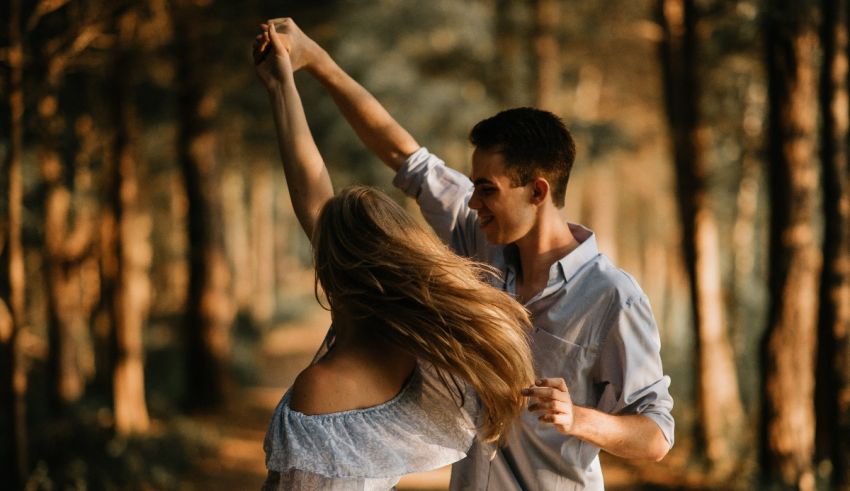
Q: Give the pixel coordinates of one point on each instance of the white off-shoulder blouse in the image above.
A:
(422, 428)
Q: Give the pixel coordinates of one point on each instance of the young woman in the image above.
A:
(422, 352)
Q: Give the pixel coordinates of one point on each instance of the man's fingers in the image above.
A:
(550, 406)
(555, 382)
(281, 22)
(555, 419)
(546, 393)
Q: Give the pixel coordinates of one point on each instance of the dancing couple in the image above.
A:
(501, 340)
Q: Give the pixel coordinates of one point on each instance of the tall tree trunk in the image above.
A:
(66, 251)
(719, 406)
(795, 258)
(210, 309)
(547, 15)
(262, 241)
(509, 81)
(237, 226)
(132, 249)
(13, 435)
(833, 379)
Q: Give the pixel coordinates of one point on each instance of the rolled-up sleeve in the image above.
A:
(629, 367)
(443, 195)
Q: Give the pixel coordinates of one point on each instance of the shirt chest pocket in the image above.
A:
(557, 357)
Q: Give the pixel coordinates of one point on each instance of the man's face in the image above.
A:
(505, 212)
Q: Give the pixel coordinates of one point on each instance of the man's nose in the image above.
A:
(475, 201)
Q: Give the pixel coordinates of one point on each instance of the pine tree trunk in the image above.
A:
(13, 435)
(237, 224)
(132, 291)
(795, 257)
(67, 253)
(210, 309)
(719, 407)
(509, 83)
(262, 241)
(547, 54)
(833, 376)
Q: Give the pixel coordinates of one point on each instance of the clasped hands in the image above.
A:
(283, 35)
(550, 399)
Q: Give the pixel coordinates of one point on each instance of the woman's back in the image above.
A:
(359, 372)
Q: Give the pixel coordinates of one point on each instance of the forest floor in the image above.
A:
(235, 459)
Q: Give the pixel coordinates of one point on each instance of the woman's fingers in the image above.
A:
(274, 38)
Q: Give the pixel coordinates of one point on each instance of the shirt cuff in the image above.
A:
(410, 175)
(665, 423)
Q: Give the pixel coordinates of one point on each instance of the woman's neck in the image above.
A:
(359, 343)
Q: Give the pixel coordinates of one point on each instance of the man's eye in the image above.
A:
(486, 191)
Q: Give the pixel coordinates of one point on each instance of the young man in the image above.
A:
(595, 341)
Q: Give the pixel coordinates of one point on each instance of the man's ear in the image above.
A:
(539, 190)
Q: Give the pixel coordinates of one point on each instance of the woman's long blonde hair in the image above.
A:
(379, 266)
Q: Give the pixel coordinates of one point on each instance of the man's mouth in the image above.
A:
(485, 220)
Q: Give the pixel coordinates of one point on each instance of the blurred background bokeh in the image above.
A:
(156, 292)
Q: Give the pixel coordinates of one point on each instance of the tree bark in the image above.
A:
(547, 54)
(210, 309)
(833, 369)
(795, 257)
(262, 241)
(13, 386)
(66, 251)
(719, 407)
(509, 80)
(132, 250)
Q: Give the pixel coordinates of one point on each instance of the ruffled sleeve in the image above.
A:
(420, 429)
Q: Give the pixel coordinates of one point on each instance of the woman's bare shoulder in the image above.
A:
(319, 389)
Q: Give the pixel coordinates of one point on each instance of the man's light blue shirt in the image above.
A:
(593, 326)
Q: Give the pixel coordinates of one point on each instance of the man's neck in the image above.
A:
(547, 242)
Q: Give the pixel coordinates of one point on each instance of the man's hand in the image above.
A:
(551, 399)
(631, 436)
(303, 51)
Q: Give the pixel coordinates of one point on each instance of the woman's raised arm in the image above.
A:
(306, 175)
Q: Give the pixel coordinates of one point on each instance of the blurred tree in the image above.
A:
(262, 236)
(833, 379)
(510, 39)
(210, 309)
(69, 30)
(721, 416)
(795, 258)
(130, 249)
(13, 435)
(547, 15)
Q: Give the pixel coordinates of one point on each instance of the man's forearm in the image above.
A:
(378, 130)
(631, 436)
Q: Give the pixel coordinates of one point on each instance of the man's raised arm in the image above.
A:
(373, 124)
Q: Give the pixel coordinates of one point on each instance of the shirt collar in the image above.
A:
(587, 249)
(563, 269)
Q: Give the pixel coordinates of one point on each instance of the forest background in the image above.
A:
(156, 293)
